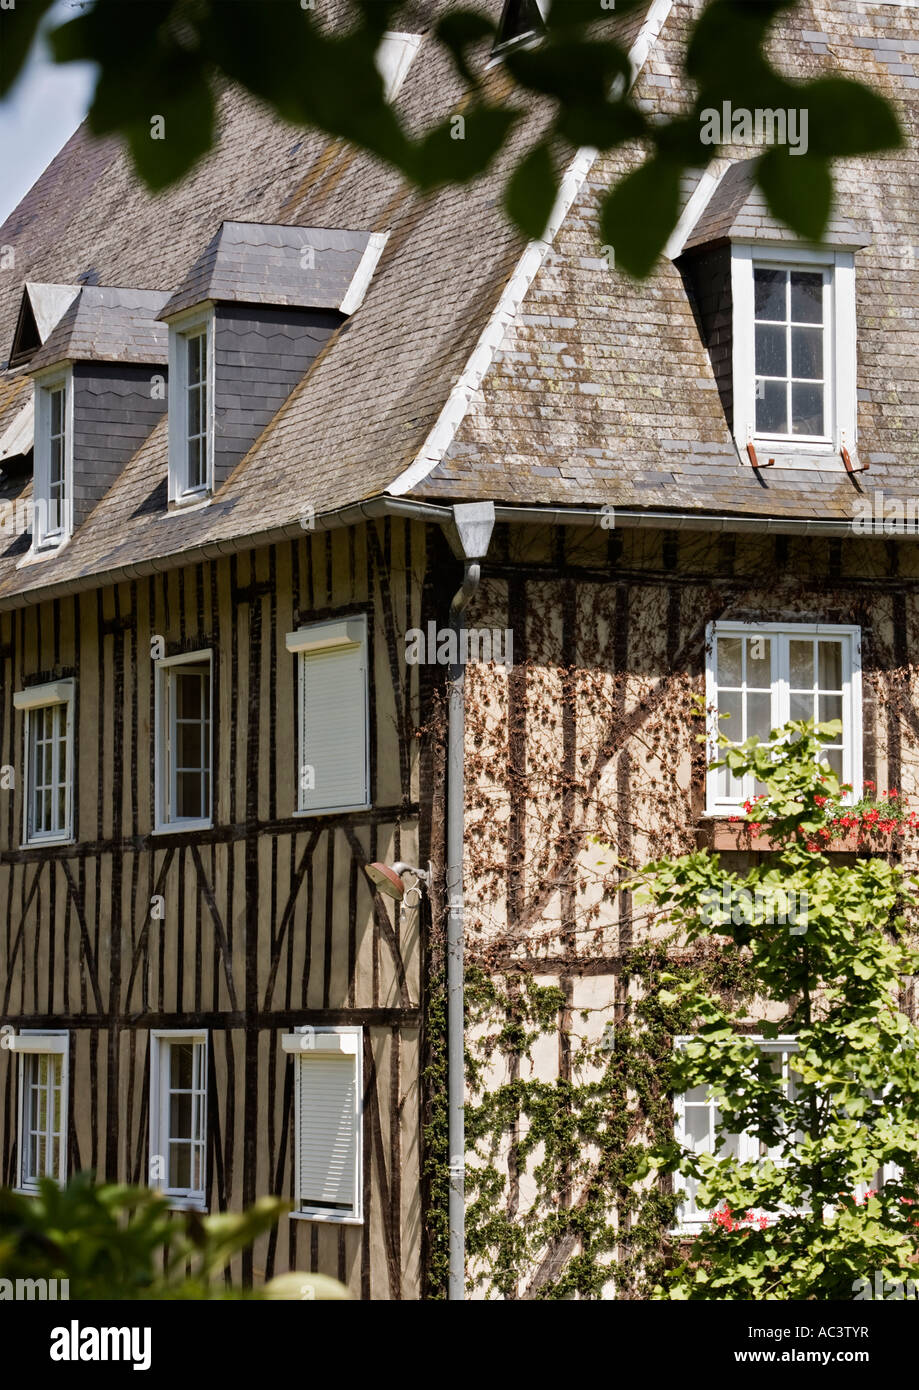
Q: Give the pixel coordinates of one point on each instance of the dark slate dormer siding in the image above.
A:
(260, 355)
(115, 408)
(707, 275)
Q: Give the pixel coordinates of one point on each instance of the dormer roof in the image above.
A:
(279, 265)
(108, 324)
(40, 308)
(738, 211)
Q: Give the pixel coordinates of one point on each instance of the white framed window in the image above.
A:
(328, 1110)
(763, 675)
(696, 1117)
(333, 739)
(178, 1115)
(794, 379)
(43, 1092)
(52, 514)
(191, 407)
(48, 769)
(184, 742)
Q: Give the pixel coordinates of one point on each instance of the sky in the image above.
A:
(40, 114)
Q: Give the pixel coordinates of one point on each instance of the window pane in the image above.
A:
(729, 661)
(180, 1065)
(189, 803)
(188, 694)
(830, 707)
(180, 1166)
(771, 356)
(195, 359)
(759, 715)
(180, 1116)
(801, 707)
(729, 703)
(806, 352)
(806, 409)
(769, 293)
(195, 465)
(188, 746)
(194, 412)
(771, 407)
(759, 662)
(833, 756)
(806, 296)
(801, 665)
(698, 1128)
(830, 663)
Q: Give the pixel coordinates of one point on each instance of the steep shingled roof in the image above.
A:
(602, 391)
(599, 390)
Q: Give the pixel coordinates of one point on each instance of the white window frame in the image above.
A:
(840, 356)
(161, 1040)
(45, 536)
(55, 694)
(164, 779)
(319, 637)
(747, 1148)
(348, 1039)
(191, 325)
(780, 634)
(30, 1043)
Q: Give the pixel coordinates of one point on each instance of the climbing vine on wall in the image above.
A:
(592, 735)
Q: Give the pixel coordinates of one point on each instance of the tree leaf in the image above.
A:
(532, 190)
(638, 215)
(798, 189)
(18, 28)
(462, 146)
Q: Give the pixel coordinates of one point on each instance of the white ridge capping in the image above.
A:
(354, 295)
(698, 201)
(518, 286)
(393, 59)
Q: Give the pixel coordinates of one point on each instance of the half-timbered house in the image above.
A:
(268, 434)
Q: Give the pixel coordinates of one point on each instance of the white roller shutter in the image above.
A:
(333, 726)
(328, 1134)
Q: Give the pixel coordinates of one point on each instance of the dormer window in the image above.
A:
(53, 487)
(191, 412)
(794, 350)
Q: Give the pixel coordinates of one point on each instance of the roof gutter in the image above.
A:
(608, 518)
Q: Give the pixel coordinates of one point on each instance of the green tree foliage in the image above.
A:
(834, 974)
(162, 61)
(116, 1242)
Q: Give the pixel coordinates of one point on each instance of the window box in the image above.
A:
(720, 833)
